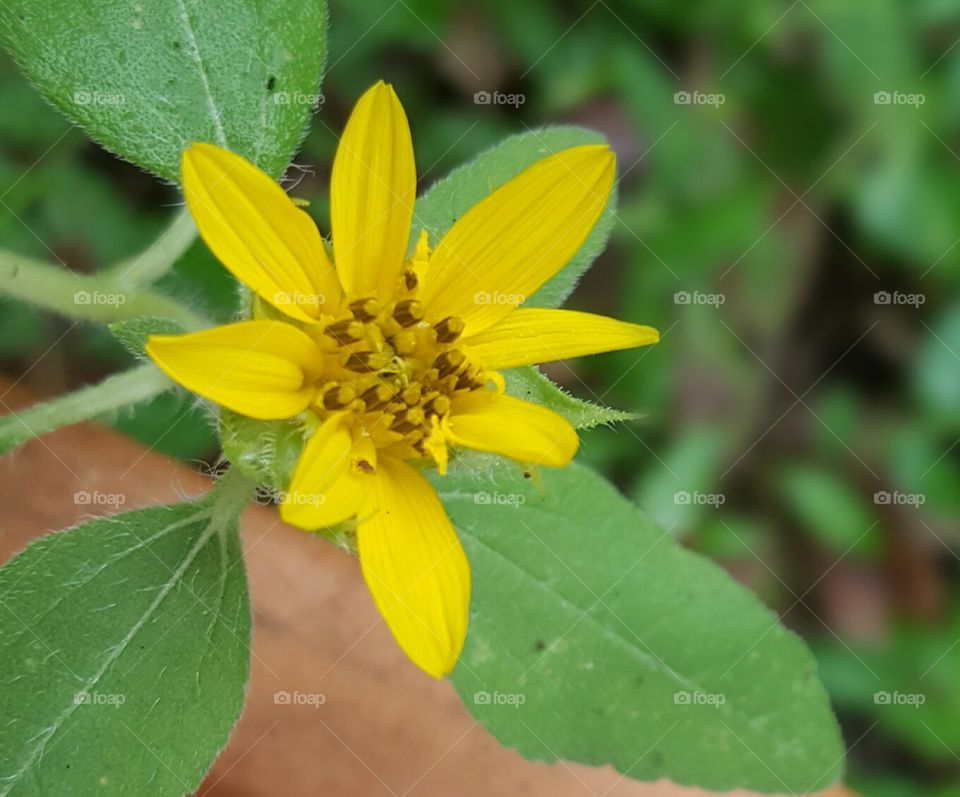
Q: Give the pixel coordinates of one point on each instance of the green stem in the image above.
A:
(158, 258)
(120, 390)
(98, 297)
(231, 494)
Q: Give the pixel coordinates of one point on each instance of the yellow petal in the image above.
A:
(508, 245)
(533, 335)
(372, 190)
(323, 491)
(500, 424)
(257, 232)
(263, 369)
(415, 568)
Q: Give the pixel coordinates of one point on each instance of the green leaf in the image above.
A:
(685, 492)
(448, 199)
(529, 384)
(21, 329)
(174, 423)
(595, 638)
(133, 334)
(145, 79)
(906, 683)
(936, 369)
(917, 466)
(830, 509)
(124, 646)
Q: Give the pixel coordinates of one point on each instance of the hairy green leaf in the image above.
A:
(529, 384)
(595, 638)
(133, 334)
(124, 647)
(144, 79)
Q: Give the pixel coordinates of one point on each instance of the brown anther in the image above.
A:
(439, 405)
(378, 395)
(349, 330)
(449, 329)
(366, 361)
(364, 467)
(449, 362)
(410, 279)
(408, 312)
(337, 397)
(404, 342)
(466, 381)
(411, 395)
(365, 309)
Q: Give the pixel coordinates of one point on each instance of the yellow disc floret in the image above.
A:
(390, 374)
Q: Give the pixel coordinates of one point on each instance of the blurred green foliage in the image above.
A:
(793, 231)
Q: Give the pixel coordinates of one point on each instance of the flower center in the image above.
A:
(394, 375)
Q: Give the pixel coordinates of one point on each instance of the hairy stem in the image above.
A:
(231, 493)
(98, 297)
(158, 258)
(115, 392)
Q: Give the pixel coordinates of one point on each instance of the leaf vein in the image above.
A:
(193, 50)
(114, 653)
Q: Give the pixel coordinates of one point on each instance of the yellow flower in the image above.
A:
(389, 360)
